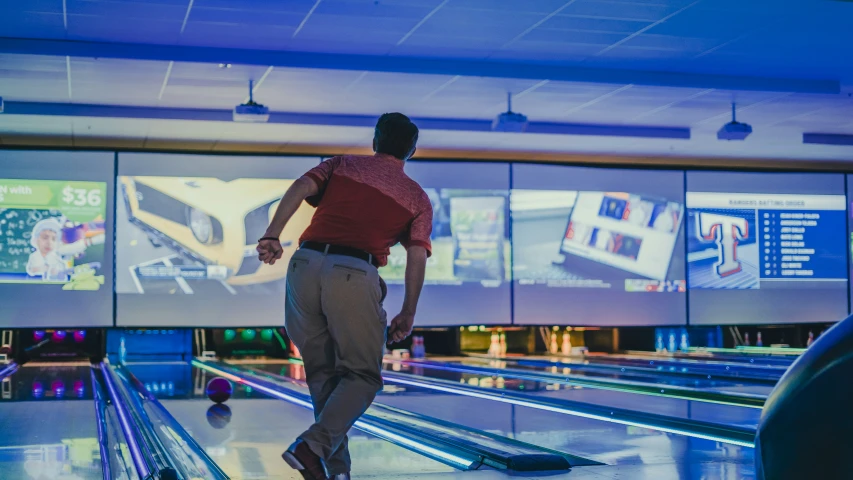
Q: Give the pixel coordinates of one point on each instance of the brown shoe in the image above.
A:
(301, 458)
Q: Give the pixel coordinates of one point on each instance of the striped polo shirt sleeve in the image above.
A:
(420, 231)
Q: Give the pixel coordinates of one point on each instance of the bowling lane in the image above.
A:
(674, 407)
(729, 372)
(628, 452)
(619, 446)
(556, 365)
(755, 369)
(743, 358)
(49, 425)
(246, 435)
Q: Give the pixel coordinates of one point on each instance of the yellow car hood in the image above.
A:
(213, 194)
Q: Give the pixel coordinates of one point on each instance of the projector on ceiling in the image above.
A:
(734, 131)
(509, 122)
(251, 113)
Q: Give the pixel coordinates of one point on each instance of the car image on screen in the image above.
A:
(203, 231)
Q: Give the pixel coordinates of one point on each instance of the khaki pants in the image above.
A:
(335, 318)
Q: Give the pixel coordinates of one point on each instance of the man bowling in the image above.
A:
(333, 312)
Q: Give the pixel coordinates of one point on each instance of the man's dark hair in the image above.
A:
(395, 135)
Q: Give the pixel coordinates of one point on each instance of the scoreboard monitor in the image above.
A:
(766, 248)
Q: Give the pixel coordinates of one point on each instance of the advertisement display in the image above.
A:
(598, 246)
(56, 238)
(171, 239)
(53, 232)
(187, 229)
(467, 279)
(766, 248)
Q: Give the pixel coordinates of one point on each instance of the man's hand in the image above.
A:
(269, 251)
(401, 327)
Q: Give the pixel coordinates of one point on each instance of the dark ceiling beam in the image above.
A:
(397, 64)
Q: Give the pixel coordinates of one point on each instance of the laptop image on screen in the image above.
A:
(616, 236)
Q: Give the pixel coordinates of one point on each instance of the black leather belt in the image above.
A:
(339, 250)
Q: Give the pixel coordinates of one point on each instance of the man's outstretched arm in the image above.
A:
(402, 324)
(269, 248)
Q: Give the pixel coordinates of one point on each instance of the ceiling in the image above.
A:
(167, 71)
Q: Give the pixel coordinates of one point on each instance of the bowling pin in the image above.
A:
(672, 345)
(810, 340)
(122, 351)
(421, 348)
(758, 342)
(503, 344)
(553, 342)
(494, 347)
(567, 344)
(746, 339)
(685, 341)
(659, 341)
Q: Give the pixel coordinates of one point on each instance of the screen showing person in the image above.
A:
(187, 232)
(467, 278)
(772, 245)
(52, 229)
(56, 237)
(607, 253)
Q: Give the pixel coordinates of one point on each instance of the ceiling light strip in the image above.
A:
(828, 139)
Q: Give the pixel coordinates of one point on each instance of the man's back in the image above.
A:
(368, 203)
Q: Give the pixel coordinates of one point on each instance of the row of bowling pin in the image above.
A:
(758, 341)
(672, 345)
(497, 346)
(565, 346)
(811, 338)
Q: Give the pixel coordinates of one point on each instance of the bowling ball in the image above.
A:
(218, 416)
(219, 390)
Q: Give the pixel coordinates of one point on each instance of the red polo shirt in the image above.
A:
(368, 203)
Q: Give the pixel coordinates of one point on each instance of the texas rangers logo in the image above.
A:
(726, 232)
